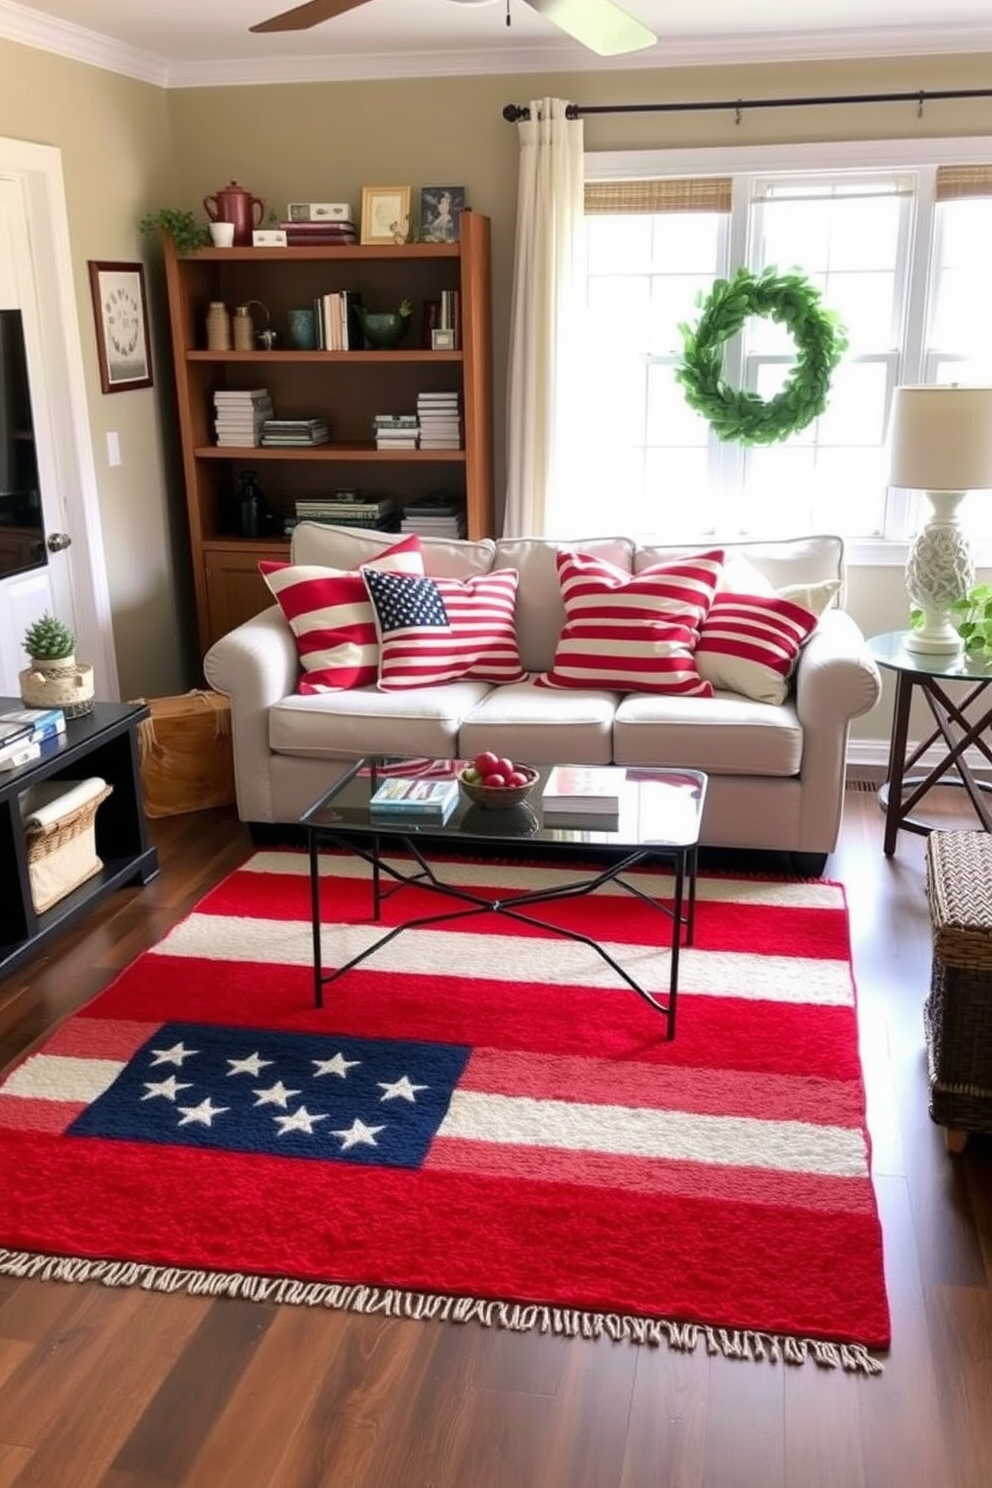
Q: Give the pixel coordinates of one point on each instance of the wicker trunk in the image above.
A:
(958, 1012)
(185, 754)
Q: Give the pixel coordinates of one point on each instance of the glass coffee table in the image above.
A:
(658, 820)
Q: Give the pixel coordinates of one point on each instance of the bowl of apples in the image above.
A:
(494, 782)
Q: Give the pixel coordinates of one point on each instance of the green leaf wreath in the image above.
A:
(735, 413)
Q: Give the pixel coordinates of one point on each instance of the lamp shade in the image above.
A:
(941, 438)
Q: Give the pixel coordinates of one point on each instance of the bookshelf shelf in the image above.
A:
(348, 388)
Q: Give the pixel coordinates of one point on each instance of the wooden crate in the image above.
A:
(185, 753)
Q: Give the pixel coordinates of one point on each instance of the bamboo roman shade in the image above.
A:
(956, 181)
(683, 194)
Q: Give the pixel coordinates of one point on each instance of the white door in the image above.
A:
(51, 551)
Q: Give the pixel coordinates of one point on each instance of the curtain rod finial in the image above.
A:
(513, 113)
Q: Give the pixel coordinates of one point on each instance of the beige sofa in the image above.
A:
(776, 772)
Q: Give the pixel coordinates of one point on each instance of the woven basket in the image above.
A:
(63, 854)
(499, 797)
(958, 1013)
(185, 753)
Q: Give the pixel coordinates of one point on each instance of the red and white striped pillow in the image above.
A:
(749, 644)
(478, 643)
(329, 613)
(632, 632)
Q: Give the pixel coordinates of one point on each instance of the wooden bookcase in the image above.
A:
(348, 387)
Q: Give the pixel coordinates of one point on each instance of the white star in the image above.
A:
(336, 1066)
(204, 1113)
(175, 1055)
(301, 1120)
(275, 1095)
(358, 1134)
(251, 1065)
(400, 1089)
(167, 1089)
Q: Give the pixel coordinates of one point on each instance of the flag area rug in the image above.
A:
(482, 1123)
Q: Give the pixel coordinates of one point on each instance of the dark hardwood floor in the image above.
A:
(119, 1389)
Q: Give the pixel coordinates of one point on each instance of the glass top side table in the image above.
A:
(961, 724)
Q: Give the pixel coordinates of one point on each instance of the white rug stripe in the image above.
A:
(512, 958)
(56, 1077)
(687, 1136)
(797, 895)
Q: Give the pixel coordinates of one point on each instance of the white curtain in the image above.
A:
(545, 320)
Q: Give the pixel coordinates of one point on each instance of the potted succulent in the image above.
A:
(54, 678)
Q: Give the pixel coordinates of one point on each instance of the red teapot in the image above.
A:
(235, 204)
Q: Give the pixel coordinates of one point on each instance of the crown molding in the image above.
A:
(29, 27)
(47, 34)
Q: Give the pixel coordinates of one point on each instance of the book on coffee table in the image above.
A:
(586, 789)
(421, 796)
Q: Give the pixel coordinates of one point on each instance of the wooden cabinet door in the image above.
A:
(235, 589)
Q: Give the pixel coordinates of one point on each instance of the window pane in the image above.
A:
(614, 244)
(685, 241)
(856, 407)
(677, 497)
(670, 420)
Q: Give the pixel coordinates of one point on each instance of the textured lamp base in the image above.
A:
(939, 571)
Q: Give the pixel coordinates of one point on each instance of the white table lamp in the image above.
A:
(941, 443)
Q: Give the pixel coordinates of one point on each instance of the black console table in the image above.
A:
(101, 743)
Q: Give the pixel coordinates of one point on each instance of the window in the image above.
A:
(897, 246)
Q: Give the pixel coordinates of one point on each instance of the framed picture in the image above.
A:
(385, 214)
(121, 313)
(441, 209)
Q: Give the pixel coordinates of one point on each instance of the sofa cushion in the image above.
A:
(540, 612)
(749, 644)
(541, 726)
(350, 547)
(632, 632)
(346, 725)
(726, 734)
(798, 560)
(332, 621)
(433, 631)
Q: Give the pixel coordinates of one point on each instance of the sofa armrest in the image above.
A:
(836, 679)
(255, 665)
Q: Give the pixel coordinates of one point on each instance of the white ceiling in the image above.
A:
(201, 42)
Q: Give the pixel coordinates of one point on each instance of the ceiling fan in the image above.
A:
(598, 24)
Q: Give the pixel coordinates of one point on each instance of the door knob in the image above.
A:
(58, 541)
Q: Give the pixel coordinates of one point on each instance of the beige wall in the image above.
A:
(325, 141)
(117, 160)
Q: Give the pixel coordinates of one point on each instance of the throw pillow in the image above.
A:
(749, 644)
(632, 632)
(329, 613)
(815, 597)
(433, 631)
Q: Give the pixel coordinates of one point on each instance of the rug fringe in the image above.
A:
(516, 1317)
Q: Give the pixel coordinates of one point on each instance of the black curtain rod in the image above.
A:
(514, 112)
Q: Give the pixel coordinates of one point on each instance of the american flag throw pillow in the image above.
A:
(632, 632)
(329, 613)
(433, 631)
(750, 642)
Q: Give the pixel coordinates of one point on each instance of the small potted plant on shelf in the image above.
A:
(182, 227)
(54, 678)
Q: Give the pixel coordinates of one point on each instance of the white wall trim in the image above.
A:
(30, 27)
(39, 167)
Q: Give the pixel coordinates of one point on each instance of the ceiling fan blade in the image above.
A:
(599, 24)
(302, 17)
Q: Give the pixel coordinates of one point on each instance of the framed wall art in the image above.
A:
(441, 208)
(385, 214)
(121, 312)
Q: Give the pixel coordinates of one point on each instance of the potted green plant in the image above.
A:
(182, 227)
(971, 616)
(54, 679)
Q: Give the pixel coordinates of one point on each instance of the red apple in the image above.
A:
(516, 777)
(504, 766)
(493, 780)
(486, 763)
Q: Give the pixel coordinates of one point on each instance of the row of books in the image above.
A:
(24, 730)
(336, 322)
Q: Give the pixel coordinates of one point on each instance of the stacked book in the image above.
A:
(587, 790)
(239, 417)
(440, 419)
(418, 797)
(396, 430)
(435, 516)
(294, 433)
(320, 234)
(347, 511)
(18, 745)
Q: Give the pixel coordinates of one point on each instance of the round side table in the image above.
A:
(961, 725)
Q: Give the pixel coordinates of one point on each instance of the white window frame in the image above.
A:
(829, 156)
